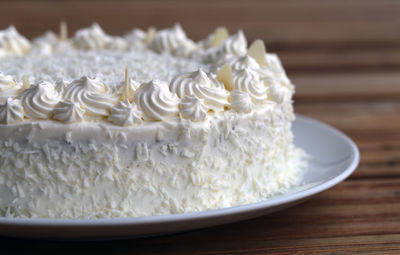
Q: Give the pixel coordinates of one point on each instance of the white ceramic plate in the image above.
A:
(333, 157)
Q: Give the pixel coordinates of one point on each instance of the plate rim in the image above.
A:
(163, 219)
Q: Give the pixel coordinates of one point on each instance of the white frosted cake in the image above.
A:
(150, 123)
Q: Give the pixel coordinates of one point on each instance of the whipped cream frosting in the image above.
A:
(40, 100)
(91, 38)
(137, 37)
(11, 112)
(88, 170)
(69, 112)
(193, 108)
(156, 101)
(243, 62)
(148, 123)
(173, 41)
(8, 88)
(234, 45)
(12, 43)
(45, 44)
(93, 95)
(125, 114)
(6, 82)
(241, 101)
(203, 86)
(249, 81)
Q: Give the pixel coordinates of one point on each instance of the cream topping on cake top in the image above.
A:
(6, 82)
(12, 43)
(69, 112)
(141, 77)
(11, 112)
(173, 41)
(193, 108)
(125, 113)
(156, 101)
(202, 86)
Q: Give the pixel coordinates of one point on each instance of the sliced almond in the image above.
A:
(257, 51)
(224, 75)
(220, 34)
(63, 31)
(25, 83)
(151, 33)
(126, 89)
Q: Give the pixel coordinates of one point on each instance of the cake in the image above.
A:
(150, 123)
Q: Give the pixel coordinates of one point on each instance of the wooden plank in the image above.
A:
(376, 171)
(380, 155)
(346, 86)
(345, 60)
(355, 117)
(389, 155)
(303, 23)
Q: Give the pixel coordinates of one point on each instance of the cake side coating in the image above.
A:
(86, 170)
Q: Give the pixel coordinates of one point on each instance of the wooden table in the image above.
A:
(344, 57)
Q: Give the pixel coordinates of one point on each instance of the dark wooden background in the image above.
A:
(343, 56)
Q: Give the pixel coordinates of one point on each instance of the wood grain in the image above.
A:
(343, 56)
(340, 60)
(342, 86)
(356, 116)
